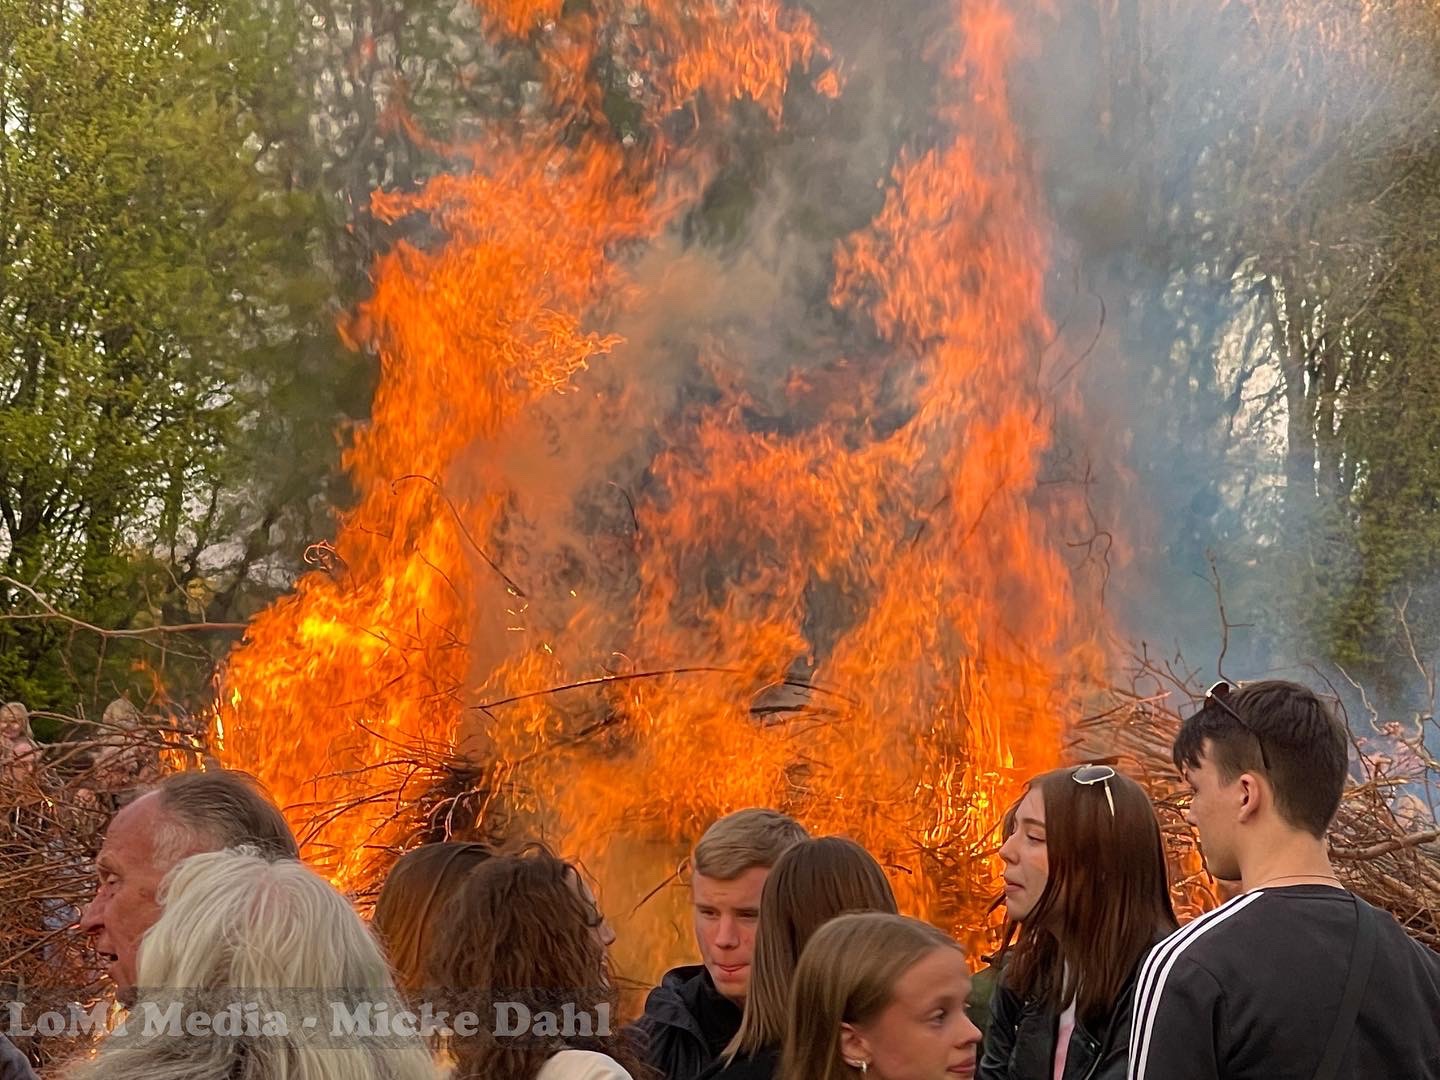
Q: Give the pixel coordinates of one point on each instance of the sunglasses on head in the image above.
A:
(1219, 694)
(1089, 775)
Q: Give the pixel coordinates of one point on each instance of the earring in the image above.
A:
(861, 1065)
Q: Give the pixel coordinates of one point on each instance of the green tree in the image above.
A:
(168, 367)
(1253, 191)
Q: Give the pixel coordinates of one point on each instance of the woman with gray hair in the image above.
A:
(258, 970)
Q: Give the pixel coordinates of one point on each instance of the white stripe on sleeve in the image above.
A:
(1157, 969)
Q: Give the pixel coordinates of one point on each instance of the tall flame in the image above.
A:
(630, 610)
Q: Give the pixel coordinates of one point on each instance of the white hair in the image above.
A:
(238, 927)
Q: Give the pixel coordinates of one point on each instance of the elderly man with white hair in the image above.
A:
(185, 814)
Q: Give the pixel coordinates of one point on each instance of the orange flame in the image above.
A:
(876, 629)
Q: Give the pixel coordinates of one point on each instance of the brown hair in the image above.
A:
(744, 840)
(415, 892)
(812, 883)
(519, 930)
(1106, 900)
(1304, 742)
(218, 809)
(847, 975)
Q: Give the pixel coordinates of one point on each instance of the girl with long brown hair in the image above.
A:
(523, 947)
(812, 883)
(416, 891)
(1087, 897)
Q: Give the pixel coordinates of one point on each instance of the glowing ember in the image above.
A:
(878, 632)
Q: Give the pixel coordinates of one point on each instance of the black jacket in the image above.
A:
(1020, 1042)
(687, 1022)
(761, 1066)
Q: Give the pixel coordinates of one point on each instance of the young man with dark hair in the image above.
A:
(695, 1011)
(1296, 976)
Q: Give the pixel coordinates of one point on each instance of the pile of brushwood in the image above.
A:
(1385, 843)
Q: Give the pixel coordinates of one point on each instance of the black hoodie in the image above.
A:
(687, 1023)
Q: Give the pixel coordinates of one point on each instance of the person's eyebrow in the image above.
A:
(1031, 821)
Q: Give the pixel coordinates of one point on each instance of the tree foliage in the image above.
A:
(166, 368)
(1252, 190)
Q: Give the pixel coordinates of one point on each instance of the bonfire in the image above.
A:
(613, 572)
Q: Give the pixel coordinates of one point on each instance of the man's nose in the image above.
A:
(92, 919)
(728, 934)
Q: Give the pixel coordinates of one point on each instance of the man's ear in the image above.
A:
(853, 1047)
(1252, 795)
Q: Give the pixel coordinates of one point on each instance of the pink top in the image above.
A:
(1062, 1040)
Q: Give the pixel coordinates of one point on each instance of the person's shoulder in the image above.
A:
(1429, 958)
(672, 1002)
(685, 976)
(1214, 927)
(1403, 949)
(761, 1065)
(1205, 938)
(582, 1065)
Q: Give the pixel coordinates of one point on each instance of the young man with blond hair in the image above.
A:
(695, 1011)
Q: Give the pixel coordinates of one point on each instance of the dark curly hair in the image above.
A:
(523, 929)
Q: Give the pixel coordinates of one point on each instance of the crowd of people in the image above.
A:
(808, 970)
